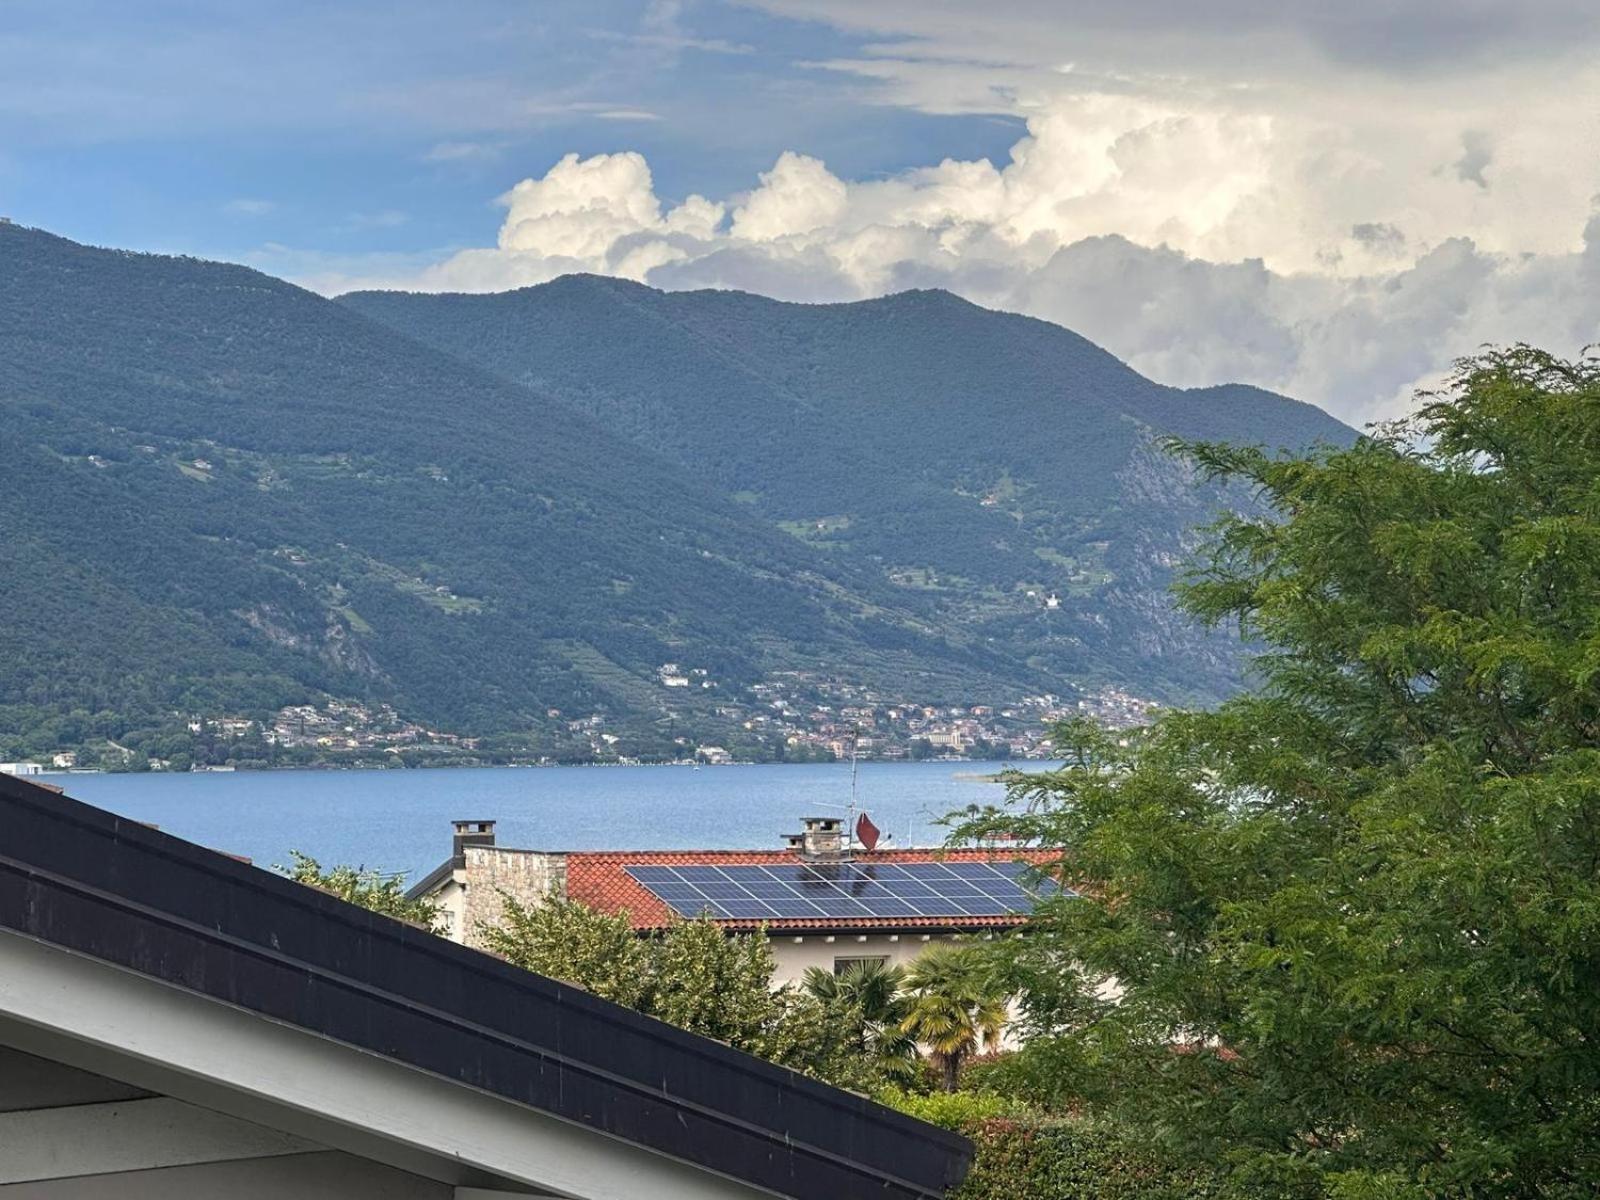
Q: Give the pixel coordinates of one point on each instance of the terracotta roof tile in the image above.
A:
(600, 880)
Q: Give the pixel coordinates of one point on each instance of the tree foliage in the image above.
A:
(716, 985)
(1355, 914)
(564, 940)
(1025, 1154)
(954, 1006)
(692, 975)
(867, 1003)
(1066, 1158)
(381, 892)
(959, 1110)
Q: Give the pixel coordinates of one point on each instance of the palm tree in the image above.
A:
(866, 1000)
(953, 1007)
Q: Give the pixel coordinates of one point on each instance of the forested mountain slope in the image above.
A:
(986, 460)
(225, 493)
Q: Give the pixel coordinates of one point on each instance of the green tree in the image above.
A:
(597, 951)
(953, 1006)
(710, 983)
(1354, 915)
(693, 975)
(866, 1005)
(382, 893)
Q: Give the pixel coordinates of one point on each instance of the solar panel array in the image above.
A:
(845, 890)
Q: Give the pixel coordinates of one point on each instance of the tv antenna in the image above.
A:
(850, 821)
(850, 810)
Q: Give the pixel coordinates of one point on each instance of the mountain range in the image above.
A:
(493, 513)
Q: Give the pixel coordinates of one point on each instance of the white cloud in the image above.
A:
(799, 195)
(598, 214)
(463, 151)
(1337, 233)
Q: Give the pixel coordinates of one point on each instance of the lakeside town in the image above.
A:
(794, 716)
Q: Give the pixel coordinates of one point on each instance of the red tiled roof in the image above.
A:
(600, 880)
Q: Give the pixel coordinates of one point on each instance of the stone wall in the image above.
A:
(528, 876)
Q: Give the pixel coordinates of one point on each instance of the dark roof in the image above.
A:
(435, 877)
(90, 882)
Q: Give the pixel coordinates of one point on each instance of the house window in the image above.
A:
(841, 965)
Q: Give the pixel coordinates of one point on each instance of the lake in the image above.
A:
(400, 820)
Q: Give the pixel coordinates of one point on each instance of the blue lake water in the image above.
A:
(400, 820)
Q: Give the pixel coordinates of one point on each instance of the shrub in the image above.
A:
(960, 1111)
(1023, 1155)
(990, 1073)
(1072, 1159)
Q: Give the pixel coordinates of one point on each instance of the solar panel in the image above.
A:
(695, 874)
(748, 909)
(675, 891)
(654, 874)
(794, 906)
(848, 889)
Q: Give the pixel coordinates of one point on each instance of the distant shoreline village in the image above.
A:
(789, 719)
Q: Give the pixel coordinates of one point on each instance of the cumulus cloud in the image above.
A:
(1476, 155)
(599, 214)
(1269, 214)
(798, 196)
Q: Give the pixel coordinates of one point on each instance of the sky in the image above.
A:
(1331, 200)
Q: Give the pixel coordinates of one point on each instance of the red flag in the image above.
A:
(866, 833)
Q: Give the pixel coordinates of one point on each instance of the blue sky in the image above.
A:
(353, 128)
(1330, 200)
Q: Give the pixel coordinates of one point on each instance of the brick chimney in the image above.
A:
(470, 833)
(821, 839)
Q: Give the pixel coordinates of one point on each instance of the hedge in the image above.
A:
(1072, 1159)
(1025, 1156)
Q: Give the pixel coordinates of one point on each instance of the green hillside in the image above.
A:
(980, 460)
(502, 516)
(225, 494)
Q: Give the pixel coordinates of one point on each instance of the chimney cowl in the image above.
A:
(470, 833)
(821, 839)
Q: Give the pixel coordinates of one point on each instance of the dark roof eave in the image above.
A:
(85, 880)
(435, 877)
